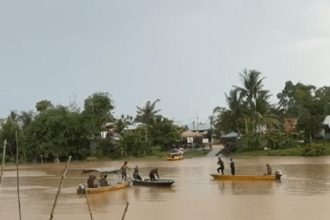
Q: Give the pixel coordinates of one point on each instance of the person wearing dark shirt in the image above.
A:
(90, 182)
(123, 170)
(269, 169)
(136, 174)
(221, 165)
(232, 166)
(153, 172)
(104, 181)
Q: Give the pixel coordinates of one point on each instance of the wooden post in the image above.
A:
(125, 211)
(59, 188)
(89, 208)
(17, 174)
(3, 159)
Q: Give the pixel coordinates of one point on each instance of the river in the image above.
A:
(303, 193)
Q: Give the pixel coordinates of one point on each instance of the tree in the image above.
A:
(306, 103)
(97, 111)
(147, 113)
(44, 105)
(8, 132)
(163, 133)
(56, 133)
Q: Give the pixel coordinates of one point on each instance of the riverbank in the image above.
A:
(188, 153)
(309, 150)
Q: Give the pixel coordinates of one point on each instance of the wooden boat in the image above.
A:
(102, 170)
(174, 156)
(148, 182)
(247, 177)
(84, 189)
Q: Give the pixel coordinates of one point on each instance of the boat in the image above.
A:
(174, 156)
(276, 177)
(101, 170)
(82, 189)
(148, 182)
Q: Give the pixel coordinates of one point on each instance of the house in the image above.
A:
(230, 140)
(326, 128)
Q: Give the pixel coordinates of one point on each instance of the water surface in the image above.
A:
(303, 193)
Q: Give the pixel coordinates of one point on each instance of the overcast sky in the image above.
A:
(187, 53)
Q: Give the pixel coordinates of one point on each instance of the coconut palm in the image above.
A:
(147, 113)
(255, 99)
(236, 106)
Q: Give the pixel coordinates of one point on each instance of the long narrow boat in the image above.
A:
(148, 182)
(174, 156)
(84, 189)
(247, 177)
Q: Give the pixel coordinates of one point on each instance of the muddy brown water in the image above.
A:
(303, 193)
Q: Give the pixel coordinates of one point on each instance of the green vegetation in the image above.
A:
(54, 131)
(309, 150)
(260, 123)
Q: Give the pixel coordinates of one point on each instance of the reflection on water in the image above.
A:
(195, 195)
(247, 187)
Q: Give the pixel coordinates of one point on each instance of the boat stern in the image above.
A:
(81, 189)
(278, 175)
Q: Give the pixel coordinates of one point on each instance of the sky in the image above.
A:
(187, 53)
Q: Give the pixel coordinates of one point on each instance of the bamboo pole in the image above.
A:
(59, 188)
(3, 159)
(125, 211)
(17, 174)
(89, 208)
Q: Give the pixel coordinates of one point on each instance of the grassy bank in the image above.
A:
(314, 149)
(189, 153)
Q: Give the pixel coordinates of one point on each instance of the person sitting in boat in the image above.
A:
(221, 165)
(152, 174)
(269, 169)
(90, 181)
(124, 169)
(136, 174)
(104, 181)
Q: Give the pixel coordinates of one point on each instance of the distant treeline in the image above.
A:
(54, 132)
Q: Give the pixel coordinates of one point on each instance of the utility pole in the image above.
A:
(197, 125)
(3, 159)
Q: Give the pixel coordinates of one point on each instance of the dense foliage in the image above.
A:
(54, 132)
(261, 124)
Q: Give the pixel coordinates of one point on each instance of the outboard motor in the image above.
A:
(81, 189)
(278, 175)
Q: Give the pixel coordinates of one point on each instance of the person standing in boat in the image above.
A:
(221, 165)
(152, 174)
(136, 174)
(269, 169)
(123, 170)
(232, 166)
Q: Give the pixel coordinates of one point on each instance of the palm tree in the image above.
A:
(255, 99)
(147, 113)
(236, 106)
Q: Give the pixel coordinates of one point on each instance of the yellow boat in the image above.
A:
(247, 177)
(82, 189)
(174, 156)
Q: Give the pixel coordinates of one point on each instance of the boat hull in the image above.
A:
(173, 158)
(246, 177)
(148, 182)
(116, 186)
